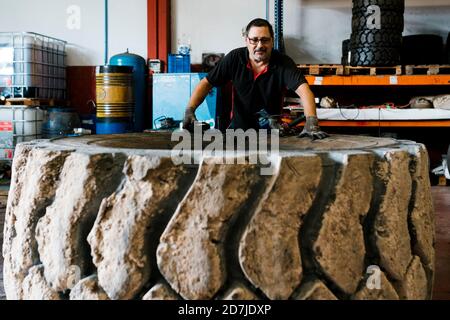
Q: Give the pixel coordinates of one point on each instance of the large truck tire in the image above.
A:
(113, 217)
(391, 5)
(391, 21)
(375, 38)
(374, 56)
(377, 27)
(422, 49)
(345, 52)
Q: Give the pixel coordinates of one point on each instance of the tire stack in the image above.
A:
(377, 27)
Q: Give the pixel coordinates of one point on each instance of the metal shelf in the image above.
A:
(380, 80)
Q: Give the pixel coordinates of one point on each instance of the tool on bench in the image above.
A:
(204, 126)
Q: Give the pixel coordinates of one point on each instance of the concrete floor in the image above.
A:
(441, 196)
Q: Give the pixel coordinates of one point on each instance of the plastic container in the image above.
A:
(32, 65)
(59, 122)
(18, 124)
(179, 63)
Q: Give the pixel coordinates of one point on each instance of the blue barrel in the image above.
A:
(59, 122)
(139, 85)
(114, 99)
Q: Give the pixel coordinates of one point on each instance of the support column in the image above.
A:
(158, 29)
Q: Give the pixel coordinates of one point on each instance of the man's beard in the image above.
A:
(259, 59)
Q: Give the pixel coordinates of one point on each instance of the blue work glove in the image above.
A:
(267, 121)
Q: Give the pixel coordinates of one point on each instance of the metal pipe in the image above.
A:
(267, 9)
(106, 32)
(278, 14)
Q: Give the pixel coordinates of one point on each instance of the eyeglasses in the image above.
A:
(256, 40)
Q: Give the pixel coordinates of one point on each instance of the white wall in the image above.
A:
(127, 25)
(212, 25)
(313, 29)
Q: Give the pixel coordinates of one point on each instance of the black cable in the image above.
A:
(340, 111)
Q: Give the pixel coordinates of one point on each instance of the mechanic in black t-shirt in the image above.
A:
(259, 76)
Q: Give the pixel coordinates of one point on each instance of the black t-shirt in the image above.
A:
(250, 96)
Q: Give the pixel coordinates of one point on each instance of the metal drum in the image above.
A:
(115, 100)
(139, 85)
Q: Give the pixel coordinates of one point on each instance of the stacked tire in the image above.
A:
(345, 52)
(422, 49)
(377, 27)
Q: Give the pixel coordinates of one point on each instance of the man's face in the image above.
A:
(259, 44)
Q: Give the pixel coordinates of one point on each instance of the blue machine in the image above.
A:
(139, 73)
(171, 93)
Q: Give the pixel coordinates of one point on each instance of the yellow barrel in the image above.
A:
(115, 101)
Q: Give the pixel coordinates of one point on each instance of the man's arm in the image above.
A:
(198, 95)
(307, 98)
(311, 128)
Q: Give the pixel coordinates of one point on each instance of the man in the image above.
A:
(259, 75)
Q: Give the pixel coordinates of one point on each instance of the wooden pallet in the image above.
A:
(4, 190)
(427, 69)
(339, 70)
(322, 69)
(373, 71)
(34, 102)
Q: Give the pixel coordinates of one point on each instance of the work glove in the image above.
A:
(312, 129)
(189, 118)
(267, 121)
